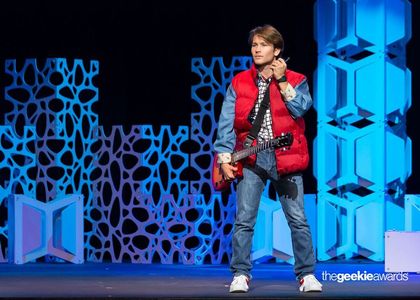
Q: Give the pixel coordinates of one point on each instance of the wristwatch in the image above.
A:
(282, 79)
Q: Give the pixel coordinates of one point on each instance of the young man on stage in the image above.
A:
(283, 98)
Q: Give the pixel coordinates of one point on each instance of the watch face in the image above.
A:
(282, 79)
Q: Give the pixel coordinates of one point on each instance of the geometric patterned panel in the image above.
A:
(116, 181)
(362, 152)
(17, 163)
(164, 230)
(213, 228)
(140, 195)
(57, 97)
(207, 97)
(165, 161)
(147, 231)
(37, 228)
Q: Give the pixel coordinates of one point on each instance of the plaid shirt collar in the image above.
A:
(260, 78)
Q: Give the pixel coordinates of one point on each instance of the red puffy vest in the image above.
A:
(245, 85)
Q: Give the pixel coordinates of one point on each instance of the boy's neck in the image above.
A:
(265, 71)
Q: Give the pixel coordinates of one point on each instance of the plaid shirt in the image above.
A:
(266, 131)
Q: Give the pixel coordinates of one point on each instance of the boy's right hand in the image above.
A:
(228, 171)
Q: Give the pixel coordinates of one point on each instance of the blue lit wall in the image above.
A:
(362, 152)
(147, 190)
(143, 202)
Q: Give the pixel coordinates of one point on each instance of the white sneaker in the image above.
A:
(310, 284)
(240, 284)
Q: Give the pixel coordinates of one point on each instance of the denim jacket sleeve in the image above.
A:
(226, 137)
(300, 104)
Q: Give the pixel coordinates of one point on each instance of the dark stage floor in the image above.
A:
(179, 281)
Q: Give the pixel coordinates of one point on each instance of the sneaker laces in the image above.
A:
(311, 280)
(236, 279)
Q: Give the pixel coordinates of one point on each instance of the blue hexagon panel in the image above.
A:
(362, 152)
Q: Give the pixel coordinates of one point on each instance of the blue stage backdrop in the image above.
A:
(362, 152)
(50, 115)
(147, 191)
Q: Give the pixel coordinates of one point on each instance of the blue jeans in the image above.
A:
(248, 194)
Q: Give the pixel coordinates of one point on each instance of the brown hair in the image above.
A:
(268, 33)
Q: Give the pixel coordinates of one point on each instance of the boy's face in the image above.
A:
(262, 51)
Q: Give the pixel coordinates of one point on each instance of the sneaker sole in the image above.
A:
(312, 291)
(238, 291)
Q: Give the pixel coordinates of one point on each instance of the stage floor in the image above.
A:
(138, 281)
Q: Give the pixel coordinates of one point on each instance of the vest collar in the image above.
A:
(254, 74)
